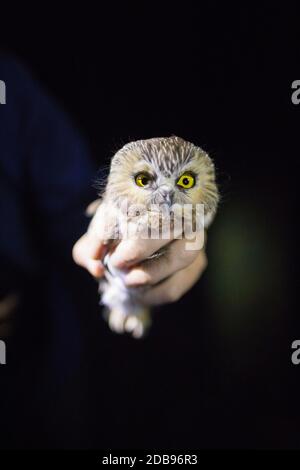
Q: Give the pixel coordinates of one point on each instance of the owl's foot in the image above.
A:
(116, 320)
(136, 325)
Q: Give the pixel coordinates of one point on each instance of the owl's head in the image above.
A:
(163, 171)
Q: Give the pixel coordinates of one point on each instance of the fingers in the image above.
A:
(130, 252)
(153, 271)
(92, 207)
(89, 249)
(177, 285)
(87, 252)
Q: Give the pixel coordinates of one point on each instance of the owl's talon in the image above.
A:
(138, 331)
(131, 323)
(116, 321)
(120, 323)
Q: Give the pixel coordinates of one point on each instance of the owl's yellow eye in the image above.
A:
(186, 181)
(142, 180)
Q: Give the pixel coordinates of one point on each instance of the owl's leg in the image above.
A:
(116, 320)
(112, 298)
(124, 313)
(138, 323)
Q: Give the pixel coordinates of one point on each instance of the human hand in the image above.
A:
(166, 278)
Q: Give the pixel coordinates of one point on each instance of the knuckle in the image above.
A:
(132, 251)
(173, 294)
(137, 279)
(188, 256)
(204, 261)
(76, 252)
(125, 260)
(183, 256)
(124, 255)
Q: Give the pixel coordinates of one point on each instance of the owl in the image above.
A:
(149, 177)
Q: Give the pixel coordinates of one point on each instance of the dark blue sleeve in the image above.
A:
(46, 174)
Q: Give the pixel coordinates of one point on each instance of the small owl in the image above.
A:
(150, 178)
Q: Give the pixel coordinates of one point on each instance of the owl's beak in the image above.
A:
(167, 195)
(168, 199)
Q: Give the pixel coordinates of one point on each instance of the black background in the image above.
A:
(216, 369)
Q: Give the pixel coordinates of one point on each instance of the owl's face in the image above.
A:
(163, 171)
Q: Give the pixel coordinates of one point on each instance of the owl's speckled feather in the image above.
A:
(166, 159)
